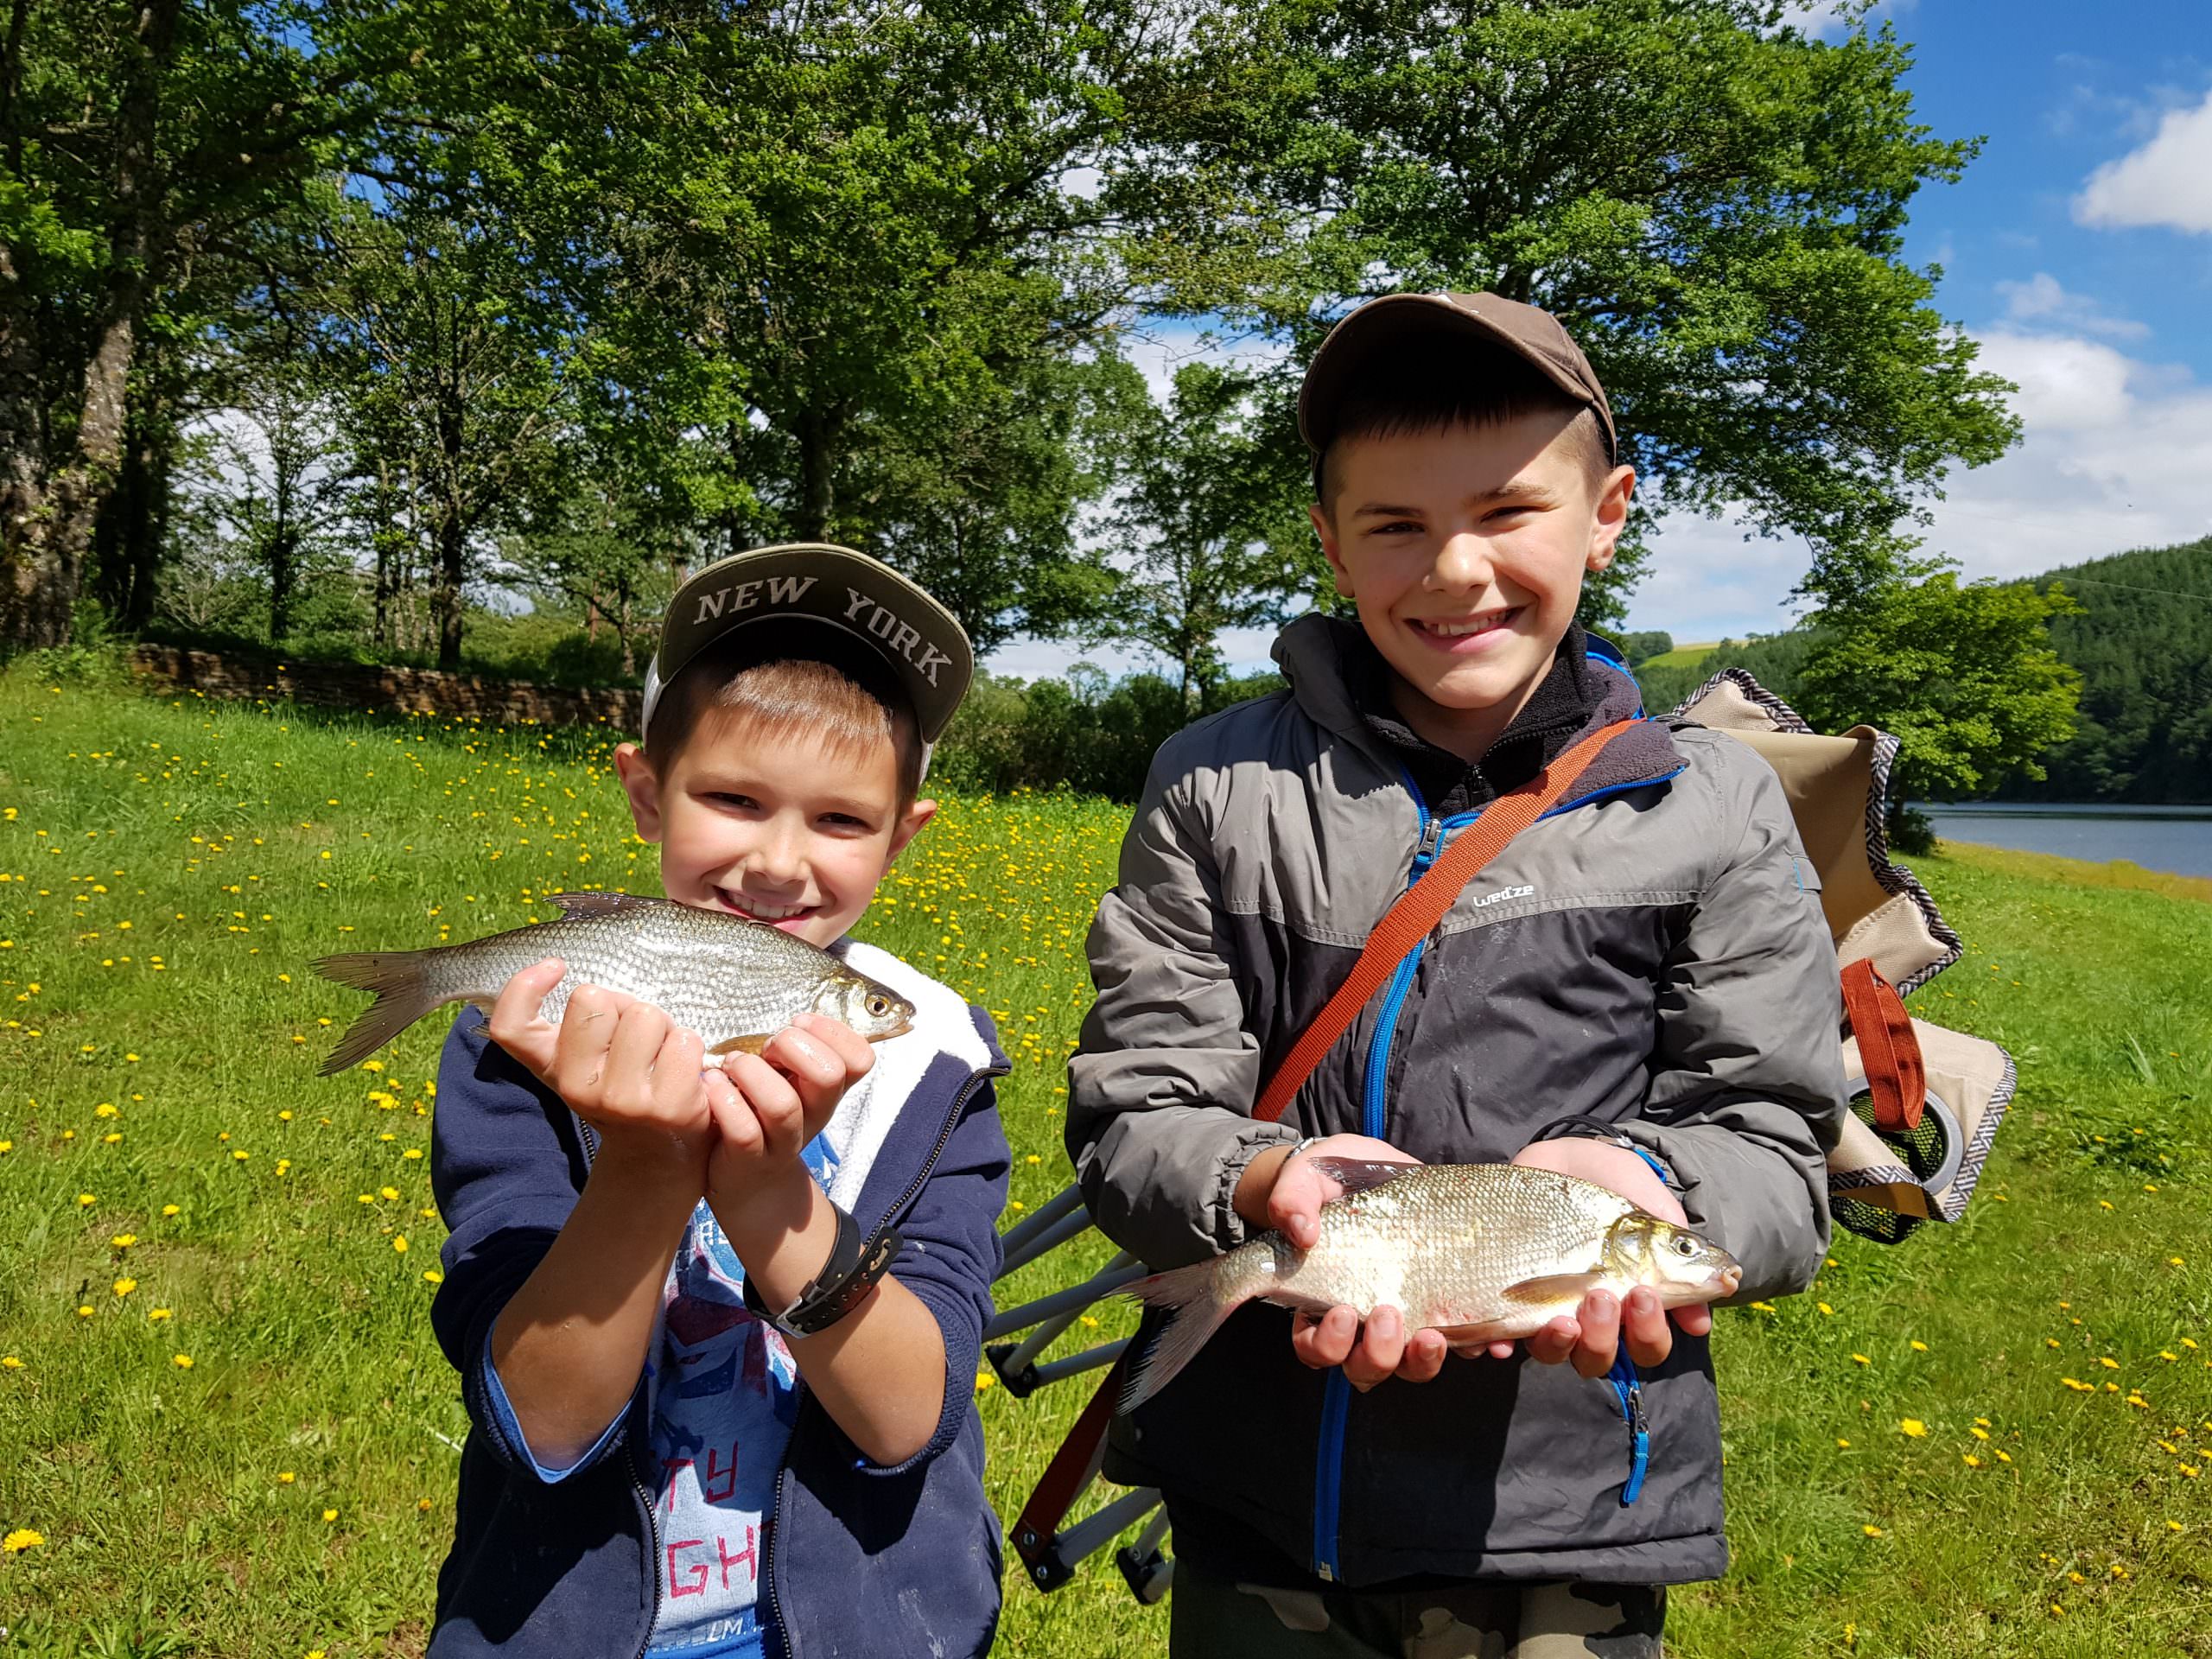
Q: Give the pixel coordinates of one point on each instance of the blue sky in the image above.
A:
(2078, 251)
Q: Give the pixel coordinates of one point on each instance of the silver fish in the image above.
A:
(1481, 1252)
(735, 982)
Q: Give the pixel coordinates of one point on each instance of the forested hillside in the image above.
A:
(2142, 642)
(2143, 645)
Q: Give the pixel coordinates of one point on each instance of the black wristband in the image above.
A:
(854, 1267)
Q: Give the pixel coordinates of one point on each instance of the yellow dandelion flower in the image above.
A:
(1842, 1444)
(1872, 1531)
(984, 1380)
(9, 1363)
(1860, 1359)
(1970, 1460)
(21, 1539)
(170, 1210)
(182, 1361)
(83, 1310)
(1913, 1427)
(330, 1515)
(2109, 1364)
(157, 1314)
(400, 1244)
(434, 1277)
(86, 1200)
(1918, 1347)
(125, 1286)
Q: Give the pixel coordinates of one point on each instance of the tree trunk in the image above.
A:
(629, 641)
(383, 534)
(445, 602)
(817, 478)
(591, 616)
(47, 546)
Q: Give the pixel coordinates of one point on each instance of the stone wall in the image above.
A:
(387, 690)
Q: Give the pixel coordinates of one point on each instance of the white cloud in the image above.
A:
(2166, 182)
(2043, 300)
(1244, 649)
(2113, 453)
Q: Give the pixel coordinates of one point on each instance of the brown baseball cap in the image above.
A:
(817, 583)
(1391, 325)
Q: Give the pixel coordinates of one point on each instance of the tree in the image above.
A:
(1713, 202)
(137, 139)
(458, 366)
(1964, 674)
(1207, 518)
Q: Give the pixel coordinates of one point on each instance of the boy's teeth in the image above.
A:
(765, 912)
(1453, 630)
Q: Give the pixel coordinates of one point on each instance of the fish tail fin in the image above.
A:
(397, 980)
(1197, 1299)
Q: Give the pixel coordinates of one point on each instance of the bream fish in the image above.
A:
(1481, 1252)
(735, 982)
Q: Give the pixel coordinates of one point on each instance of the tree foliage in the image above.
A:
(597, 292)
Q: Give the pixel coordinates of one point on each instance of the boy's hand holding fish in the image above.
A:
(1285, 1190)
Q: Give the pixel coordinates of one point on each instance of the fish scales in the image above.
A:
(733, 981)
(1481, 1252)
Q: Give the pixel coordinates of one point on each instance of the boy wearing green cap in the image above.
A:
(1638, 990)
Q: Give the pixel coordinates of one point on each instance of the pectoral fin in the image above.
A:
(1553, 1287)
(752, 1045)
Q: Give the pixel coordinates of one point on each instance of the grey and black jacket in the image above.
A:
(1652, 953)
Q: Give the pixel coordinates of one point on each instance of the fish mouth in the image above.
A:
(1728, 1278)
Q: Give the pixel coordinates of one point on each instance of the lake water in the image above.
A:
(2178, 839)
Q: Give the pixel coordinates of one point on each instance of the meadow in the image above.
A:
(229, 1432)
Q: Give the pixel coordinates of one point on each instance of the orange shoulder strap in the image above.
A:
(1422, 905)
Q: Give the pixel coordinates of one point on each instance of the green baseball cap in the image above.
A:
(817, 582)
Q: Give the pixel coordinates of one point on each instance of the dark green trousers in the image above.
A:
(1217, 1618)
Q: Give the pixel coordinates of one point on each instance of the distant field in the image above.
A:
(1681, 655)
(1989, 1440)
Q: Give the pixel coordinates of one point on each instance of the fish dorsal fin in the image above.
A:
(1360, 1174)
(579, 904)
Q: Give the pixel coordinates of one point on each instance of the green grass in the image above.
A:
(171, 868)
(1681, 655)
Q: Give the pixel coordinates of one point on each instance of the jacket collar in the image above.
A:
(1323, 656)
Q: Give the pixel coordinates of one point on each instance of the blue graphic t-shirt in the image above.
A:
(724, 1396)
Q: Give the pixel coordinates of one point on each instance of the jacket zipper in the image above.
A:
(1336, 1398)
(775, 1619)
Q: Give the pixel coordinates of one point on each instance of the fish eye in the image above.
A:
(879, 1006)
(1685, 1246)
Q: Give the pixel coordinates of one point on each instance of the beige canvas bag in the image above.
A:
(1895, 1166)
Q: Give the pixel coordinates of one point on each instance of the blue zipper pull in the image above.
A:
(1629, 1387)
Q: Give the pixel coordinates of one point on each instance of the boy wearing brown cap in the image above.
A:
(715, 1409)
(1638, 990)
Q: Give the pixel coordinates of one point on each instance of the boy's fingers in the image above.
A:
(1294, 1204)
(1382, 1345)
(675, 1064)
(853, 1051)
(1426, 1352)
(639, 1032)
(579, 1044)
(771, 1100)
(1328, 1341)
(1696, 1319)
(1599, 1317)
(1644, 1329)
(1555, 1341)
(514, 1024)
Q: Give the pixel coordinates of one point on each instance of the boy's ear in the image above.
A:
(909, 825)
(1610, 517)
(642, 784)
(1327, 532)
